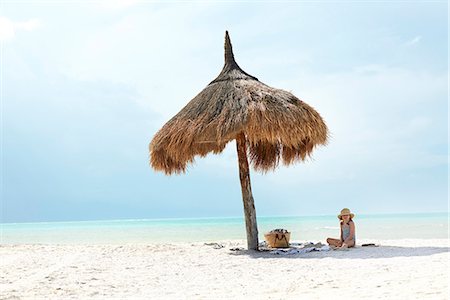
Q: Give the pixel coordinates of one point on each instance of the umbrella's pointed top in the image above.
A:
(231, 70)
(229, 57)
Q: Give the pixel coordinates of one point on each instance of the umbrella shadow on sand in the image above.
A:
(353, 253)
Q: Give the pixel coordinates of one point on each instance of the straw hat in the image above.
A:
(345, 211)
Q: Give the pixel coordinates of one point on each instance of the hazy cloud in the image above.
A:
(9, 28)
(414, 41)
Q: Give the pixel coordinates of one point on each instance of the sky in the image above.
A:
(84, 87)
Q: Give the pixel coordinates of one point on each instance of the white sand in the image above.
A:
(398, 269)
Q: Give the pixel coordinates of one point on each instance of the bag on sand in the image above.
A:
(278, 238)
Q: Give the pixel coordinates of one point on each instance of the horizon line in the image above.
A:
(223, 217)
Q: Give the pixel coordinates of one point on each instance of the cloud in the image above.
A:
(9, 28)
(145, 46)
(6, 29)
(414, 41)
(29, 25)
(376, 119)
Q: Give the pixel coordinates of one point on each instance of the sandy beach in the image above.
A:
(397, 269)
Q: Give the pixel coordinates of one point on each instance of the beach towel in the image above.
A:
(298, 248)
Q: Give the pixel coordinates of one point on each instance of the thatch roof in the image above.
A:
(278, 126)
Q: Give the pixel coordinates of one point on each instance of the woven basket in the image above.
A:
(278, 240)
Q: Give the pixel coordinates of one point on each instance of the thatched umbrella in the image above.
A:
(270, 125)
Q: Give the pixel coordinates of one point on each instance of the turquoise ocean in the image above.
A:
(313, 228)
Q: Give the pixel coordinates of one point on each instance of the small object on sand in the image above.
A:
(278, 238)
(215, 245)
(312, 245)
(369, 245)
(237, 249)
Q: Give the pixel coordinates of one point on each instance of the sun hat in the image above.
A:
(345, 211)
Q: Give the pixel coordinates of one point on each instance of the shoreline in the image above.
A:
(143, 231)
(359, 242)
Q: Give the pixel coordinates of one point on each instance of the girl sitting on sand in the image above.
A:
(347, 239)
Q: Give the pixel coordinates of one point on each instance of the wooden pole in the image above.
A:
(247, 197)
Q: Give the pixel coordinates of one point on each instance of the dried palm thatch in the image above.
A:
(277, 125)
(270, 124)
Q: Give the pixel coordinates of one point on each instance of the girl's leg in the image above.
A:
(351, 243)
(334, 242)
